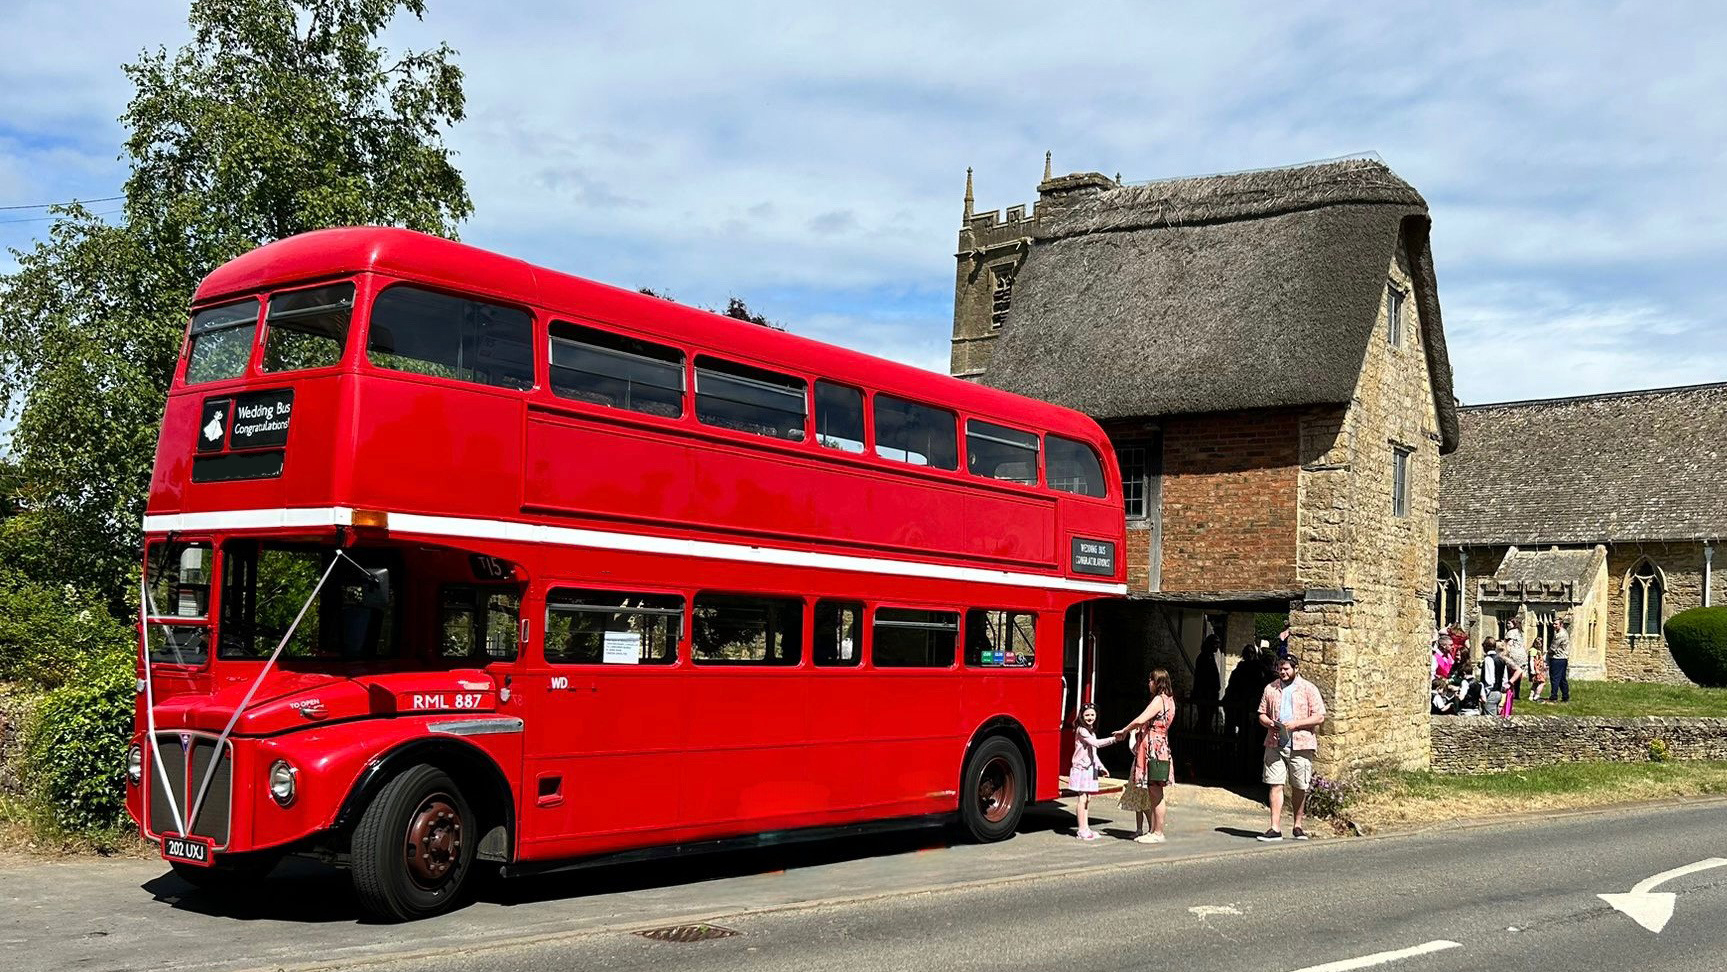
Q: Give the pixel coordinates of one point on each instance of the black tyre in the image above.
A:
(238, 873)
(413, 848)
(993, 791)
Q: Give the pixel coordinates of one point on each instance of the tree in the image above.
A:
(280, 116)
(736, 309)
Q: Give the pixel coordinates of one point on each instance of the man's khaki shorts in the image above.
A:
(1295, 769)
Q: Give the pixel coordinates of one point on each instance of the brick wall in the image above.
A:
(1463, 744)
(1230, 482)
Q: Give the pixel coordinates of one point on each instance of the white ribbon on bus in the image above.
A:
(148, 607)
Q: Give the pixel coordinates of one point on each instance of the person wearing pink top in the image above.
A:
(1290, 710)
(1087, 767)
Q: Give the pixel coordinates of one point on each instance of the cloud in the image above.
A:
(809, 158)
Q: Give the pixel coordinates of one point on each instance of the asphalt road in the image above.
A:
(1511, 895)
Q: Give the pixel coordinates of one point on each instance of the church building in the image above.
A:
(1604, 509)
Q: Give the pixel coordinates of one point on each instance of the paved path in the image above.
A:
(1210, 899)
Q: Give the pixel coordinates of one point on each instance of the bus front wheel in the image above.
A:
(414, 846)
(993, 790)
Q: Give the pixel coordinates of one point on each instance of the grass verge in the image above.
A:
(30, 830)
(1410, 799)
(1620, 699)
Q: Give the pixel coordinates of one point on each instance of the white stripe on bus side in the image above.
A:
(477, 529)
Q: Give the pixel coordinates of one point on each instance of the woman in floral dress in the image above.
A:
(1152, 766)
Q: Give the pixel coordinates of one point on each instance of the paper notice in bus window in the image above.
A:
(623, 648)
(845, 649)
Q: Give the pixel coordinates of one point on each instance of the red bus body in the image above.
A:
(523, 495)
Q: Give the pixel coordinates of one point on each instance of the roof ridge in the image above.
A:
(1597, 396)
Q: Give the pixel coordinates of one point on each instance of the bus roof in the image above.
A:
(433, 259)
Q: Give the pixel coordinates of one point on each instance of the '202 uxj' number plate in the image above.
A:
(188, 850)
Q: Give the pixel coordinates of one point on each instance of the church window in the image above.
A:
(1643, 601)
(1447, 598)
(1001, 294)
(1394, 298)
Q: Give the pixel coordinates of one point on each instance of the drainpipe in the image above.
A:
(1708, 571)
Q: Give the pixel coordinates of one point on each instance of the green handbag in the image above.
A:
(1157, 770)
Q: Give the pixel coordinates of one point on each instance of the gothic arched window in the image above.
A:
(1643, 601)
(1447, 598)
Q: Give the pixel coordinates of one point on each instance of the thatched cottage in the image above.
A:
(1603, 508)
(1265, 350)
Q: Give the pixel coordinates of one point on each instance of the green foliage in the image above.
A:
(46, 633)
(77, 747)
(1698, 640)
(281, 116)
(1329, 799)
(1659, 751)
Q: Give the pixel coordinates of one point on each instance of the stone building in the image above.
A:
(1265, 351)
(1605, 508)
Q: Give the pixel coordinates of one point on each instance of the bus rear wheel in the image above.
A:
(993, 790)
(414, 846)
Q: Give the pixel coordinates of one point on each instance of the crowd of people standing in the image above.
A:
(1509, 669)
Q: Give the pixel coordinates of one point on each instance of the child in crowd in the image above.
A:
(1445, 700)
(1087, 765)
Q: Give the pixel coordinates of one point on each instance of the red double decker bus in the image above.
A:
(452, 561)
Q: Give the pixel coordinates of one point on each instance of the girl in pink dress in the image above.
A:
(1087, 767)
(1144, 795)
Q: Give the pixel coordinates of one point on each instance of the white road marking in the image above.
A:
(1203, 912)
(1650, 908)
(1383, 958)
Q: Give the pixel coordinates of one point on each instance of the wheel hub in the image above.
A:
(433, 843)
(997, 790)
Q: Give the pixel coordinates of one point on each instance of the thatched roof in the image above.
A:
(1645, 465)
(1252, 290)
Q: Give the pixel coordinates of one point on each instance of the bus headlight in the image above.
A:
(135, 765)
(282, 775)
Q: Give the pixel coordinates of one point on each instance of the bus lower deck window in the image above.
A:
(909, 638)
(612, 628)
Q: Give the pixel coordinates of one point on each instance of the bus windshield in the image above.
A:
(177, 600)
(353, 617)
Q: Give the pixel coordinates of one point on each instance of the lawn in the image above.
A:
(1403, 799)
(1634, 699)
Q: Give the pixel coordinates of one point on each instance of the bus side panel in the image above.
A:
(412, 434)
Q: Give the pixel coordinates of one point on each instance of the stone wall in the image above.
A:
(1464, 744)
(1645, 659)
(1367, 648)
(1230, 482)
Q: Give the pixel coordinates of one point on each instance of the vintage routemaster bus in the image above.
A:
(452, 561)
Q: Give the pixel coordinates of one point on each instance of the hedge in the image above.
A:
(76, 753)
(1698, 640)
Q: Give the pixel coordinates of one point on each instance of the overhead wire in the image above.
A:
(38, 219)
(68, 202)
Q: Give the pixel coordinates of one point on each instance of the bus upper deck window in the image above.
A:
(221, 342)
(428, 333)
(839, 417)
(914, 433)
(998, 452)
(308, 328)
(601, 368)
(1074, 467)
(736, 396)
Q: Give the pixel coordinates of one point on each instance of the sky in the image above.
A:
(810, 158)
